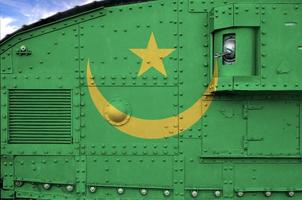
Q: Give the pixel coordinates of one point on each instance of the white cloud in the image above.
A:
(37, 12)
(88, 1)
(42, 11)
(13, 3)
(6, 26)
(33, 13)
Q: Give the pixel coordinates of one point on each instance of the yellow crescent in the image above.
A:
(157, 128)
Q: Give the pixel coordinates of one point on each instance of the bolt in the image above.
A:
(18, 183)
(92, 189)
(143, 192)
(268, 193)
(46, 186)
(167, 193)
(194, 193)
(69, 188)
(120, 190)
(240, 194)
(291, 193)
(217, 193)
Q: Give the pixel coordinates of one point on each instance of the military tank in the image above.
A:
(163, 99)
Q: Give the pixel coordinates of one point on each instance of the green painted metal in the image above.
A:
(247, 145)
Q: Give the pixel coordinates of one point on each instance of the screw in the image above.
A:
(268, 194)
(291, 193)
(143, 192)
(18, 183)
(69, 188)
(194, 193)
(46, 186)
(92, 189)
(120, 190)
(240, 194)
(167, 193)
(217, 193)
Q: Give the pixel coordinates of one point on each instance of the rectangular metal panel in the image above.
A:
(39, 116)
(273, 128)
(45, 169)
(116, 170)
(225, 119)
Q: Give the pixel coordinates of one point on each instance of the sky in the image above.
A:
(15, 13)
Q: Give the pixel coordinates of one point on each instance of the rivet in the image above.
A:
(46, 186)
(143, 192)
(240, 194)
(194, 194)
(167, 193)
(217, 193)
(18, 183)
(268, 193)
(120, 190)
(69, 188)
(92, 189)
(291, 193)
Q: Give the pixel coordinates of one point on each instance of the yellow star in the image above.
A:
(152, 57)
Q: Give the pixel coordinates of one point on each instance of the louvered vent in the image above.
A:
(40, 116)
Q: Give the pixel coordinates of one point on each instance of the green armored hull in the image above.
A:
(165, 99)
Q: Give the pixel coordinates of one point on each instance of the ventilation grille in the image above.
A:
(40, 116)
